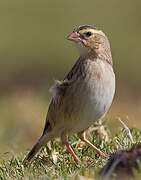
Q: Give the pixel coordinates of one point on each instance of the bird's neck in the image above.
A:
(98, 54)
(101, 52)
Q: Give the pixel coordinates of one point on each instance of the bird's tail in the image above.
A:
(42, 141)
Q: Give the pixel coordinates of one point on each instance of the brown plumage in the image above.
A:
(85, 94)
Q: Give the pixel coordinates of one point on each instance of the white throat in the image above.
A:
(82, 49)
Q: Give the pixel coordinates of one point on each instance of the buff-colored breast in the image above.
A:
(89, 97)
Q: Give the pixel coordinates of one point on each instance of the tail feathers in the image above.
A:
(43, 139)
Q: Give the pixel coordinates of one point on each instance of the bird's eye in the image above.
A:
(88, 34)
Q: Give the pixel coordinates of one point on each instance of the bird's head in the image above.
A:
(89, 39)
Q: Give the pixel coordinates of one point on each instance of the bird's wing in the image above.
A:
(59, 90)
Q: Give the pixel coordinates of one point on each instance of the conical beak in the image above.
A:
(74, 36)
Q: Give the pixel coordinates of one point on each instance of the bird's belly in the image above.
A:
(91, 102)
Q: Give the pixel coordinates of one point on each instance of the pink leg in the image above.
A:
(82, 136)
(64, 138)
(72, 152)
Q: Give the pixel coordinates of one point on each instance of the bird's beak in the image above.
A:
(74, 36)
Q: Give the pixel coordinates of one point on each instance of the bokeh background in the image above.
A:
(34, 51)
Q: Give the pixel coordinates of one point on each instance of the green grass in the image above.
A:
(54, 161)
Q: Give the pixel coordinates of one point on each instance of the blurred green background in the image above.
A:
(34, 51)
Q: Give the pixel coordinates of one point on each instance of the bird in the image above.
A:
(84, 95)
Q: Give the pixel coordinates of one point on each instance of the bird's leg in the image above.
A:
(82, 136)
(64, 139)
(72, 152)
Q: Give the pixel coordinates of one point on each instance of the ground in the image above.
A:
(54, 161)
